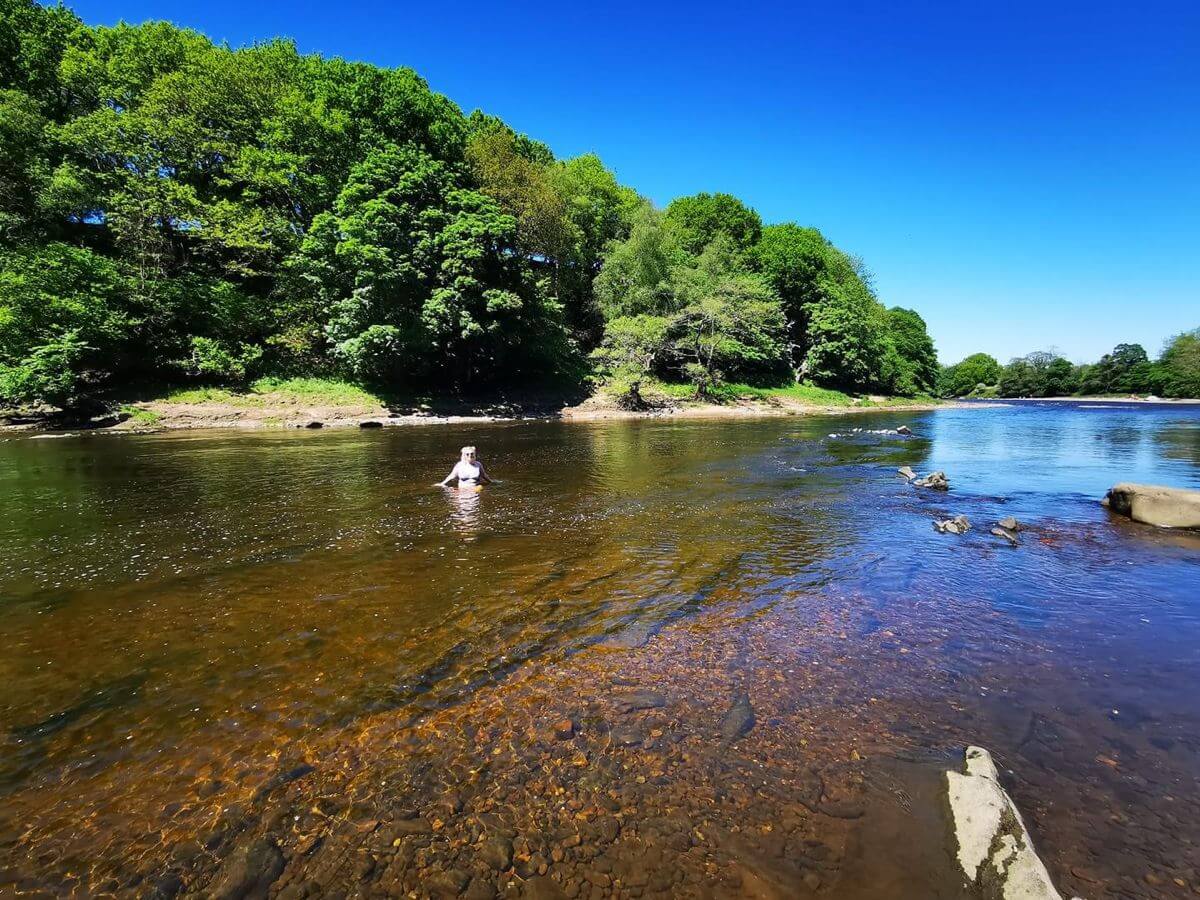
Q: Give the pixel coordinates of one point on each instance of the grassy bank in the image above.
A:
(268, 391)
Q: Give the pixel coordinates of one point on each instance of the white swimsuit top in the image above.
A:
(468, 473)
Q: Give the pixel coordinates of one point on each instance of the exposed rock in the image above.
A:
(1166, 507)
(907, 472)
(957, 525)
(1008, 523)
(936, 480)
(249, 872)
(370, 423)
(314, 424)
(999, 531)
(993, 847)
(738, 719)
(904, 429)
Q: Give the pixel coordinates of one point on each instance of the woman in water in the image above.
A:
(469, 471)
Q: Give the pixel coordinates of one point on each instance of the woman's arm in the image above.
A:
(453, 474)
(483, 475)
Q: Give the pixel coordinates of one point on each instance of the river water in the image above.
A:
(704, 658)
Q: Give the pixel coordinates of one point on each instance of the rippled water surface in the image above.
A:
(216, 643)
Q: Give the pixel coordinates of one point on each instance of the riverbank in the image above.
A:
(319, 403)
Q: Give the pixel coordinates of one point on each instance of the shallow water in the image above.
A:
(213, 639)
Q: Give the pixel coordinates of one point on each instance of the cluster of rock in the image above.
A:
(936, 480)
(957, 525)
(1007, 528)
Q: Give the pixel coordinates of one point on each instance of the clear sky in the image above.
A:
(1026, 175)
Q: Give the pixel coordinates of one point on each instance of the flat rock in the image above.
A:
(1000, 531)
(993, 846)
(635, 700)
(249, 872)
(1152, 504)
(446, 884)
(542, 888)
(907, 472)
(1008, 523)
(626, 736)
(497, 852)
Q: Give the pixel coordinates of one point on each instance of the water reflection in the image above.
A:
(464, 510)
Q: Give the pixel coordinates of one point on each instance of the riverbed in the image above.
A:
(289, 652)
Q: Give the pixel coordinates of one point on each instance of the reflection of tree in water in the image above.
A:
(1180, 440)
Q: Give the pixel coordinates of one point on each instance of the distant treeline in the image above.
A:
(1126, 370)
(175, 209)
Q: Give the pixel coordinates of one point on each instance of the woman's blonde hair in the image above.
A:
(469, 449)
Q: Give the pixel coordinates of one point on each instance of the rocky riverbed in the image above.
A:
(717, 660)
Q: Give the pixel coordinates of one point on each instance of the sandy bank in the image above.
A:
(267, 411)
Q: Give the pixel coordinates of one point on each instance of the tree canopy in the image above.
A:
(1126, 370)
(176, 209)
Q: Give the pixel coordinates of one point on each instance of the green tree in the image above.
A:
(524, 189)
(729, 324)
(701, 218)
(414, 272)
(633, 348)
(64, 319)
(838, 332)
(966, 376)
(24, 163)
(636, 278)
(917, 369)
(1180, 365)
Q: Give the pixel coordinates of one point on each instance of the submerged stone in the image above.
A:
(738, 719)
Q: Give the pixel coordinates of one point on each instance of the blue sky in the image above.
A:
(1024, 175)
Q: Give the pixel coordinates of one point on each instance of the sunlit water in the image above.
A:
(184, 616)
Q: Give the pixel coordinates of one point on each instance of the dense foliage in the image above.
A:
(175, 209)
(1127, 370)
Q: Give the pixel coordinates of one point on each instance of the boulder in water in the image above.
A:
(1008, 523)
(999, 531)
(906, 472)
(904, 429)
(1153, 504)
(957, 525)
(992, 845)
(936, 480)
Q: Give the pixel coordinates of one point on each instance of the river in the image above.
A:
(290, 649)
